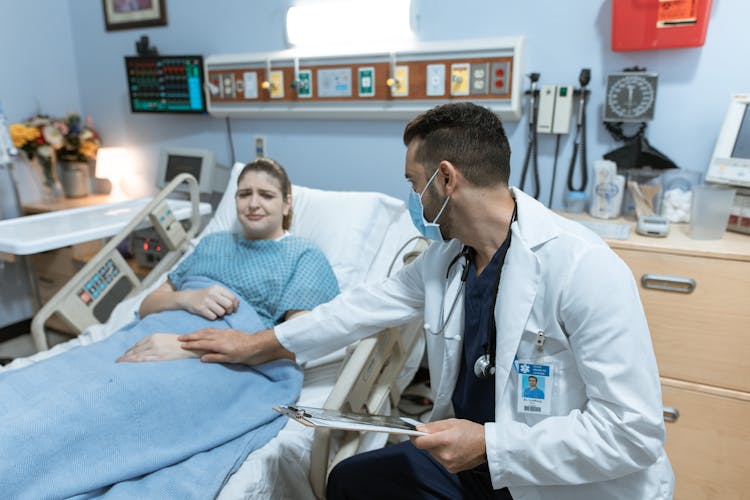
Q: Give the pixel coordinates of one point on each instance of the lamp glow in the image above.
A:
(111, 164)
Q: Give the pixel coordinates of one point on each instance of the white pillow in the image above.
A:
(350, 227)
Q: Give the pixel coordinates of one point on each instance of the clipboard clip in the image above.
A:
(297, 412)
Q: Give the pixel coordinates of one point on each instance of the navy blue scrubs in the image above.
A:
(403, 471)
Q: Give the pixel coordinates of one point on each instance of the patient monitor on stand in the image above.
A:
(730, 162)
(149, 246)
(212, 177)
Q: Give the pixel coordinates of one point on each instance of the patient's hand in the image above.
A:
(211, 303)
(157, 347)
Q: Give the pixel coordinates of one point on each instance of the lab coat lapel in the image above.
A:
(519, 282)
(518, 288)
(451, 355)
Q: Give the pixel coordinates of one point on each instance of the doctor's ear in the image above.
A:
(449, 173)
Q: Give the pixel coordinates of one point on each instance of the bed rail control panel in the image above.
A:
(167, 226)
(101, 290)
(107, 279)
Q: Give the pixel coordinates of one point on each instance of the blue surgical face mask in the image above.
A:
(430, 230)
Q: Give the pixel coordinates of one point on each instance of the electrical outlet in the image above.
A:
(563, 109)
(260, 146)
(479, 78)
(546, 109)
(227, 82)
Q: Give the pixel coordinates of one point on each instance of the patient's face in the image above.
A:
(261, 206)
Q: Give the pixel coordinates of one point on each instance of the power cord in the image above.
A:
(231, 141)
(554, 171)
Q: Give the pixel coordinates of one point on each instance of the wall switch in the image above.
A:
(563, 109)
(546, 109)
(260, 146)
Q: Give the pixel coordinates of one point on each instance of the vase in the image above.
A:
(74, 178)
(50, 187)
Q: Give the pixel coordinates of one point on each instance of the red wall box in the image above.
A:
(659, 24)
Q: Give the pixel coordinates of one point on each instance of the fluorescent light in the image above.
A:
(338, 22)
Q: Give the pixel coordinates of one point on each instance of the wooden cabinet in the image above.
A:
(696, 295)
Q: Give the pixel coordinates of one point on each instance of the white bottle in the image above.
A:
(607, 190)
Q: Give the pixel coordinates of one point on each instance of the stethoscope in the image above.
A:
(484, 366)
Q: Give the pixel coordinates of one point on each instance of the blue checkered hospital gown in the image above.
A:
(274, 276)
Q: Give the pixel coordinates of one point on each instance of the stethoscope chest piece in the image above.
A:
(483, 367)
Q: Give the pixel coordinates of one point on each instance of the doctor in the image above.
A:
(508, 290)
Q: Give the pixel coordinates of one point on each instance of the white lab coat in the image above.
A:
(605, 437)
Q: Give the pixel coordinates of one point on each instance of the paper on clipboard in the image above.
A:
(335, 419)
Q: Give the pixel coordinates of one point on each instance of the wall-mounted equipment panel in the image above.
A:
(371, 84)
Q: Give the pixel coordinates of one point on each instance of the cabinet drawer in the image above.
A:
(708, 443)
(702, 336)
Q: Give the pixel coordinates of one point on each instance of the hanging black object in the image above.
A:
(144, 48)
(638, 153)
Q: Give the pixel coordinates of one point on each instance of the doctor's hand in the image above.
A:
(234, 346)
(457, 444)
(156, 347)
(211, 303)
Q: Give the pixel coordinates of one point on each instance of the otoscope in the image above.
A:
(580, 137)
(531, 149)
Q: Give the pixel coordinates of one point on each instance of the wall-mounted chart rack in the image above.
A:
(369, 84)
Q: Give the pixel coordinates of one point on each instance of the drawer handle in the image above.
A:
(668, 283)
(671, 414)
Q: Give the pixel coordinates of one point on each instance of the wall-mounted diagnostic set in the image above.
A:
(389, 84)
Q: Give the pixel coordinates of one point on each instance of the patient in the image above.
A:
(285, 279)
(80, 424)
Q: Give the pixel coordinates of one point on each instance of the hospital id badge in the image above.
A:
(535, 387)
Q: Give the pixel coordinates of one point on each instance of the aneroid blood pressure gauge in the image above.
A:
(631, 97)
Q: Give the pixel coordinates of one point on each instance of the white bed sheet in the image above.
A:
(361, 234)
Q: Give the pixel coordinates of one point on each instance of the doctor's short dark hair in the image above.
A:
(471, 137)
(275, 170)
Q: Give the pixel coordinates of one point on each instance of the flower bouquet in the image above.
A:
(48, 139)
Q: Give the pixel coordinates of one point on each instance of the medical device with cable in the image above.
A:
(532, 153)
(579, 140)
(730, 161)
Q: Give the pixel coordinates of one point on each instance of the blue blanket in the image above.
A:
(80, 425)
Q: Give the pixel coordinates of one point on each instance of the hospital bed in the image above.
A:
(365, 236)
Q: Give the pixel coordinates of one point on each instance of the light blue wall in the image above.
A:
(37, 74)
(693, 94)
(561, 38)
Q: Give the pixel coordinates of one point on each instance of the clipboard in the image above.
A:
(350, 421)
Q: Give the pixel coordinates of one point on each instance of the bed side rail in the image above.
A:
(107, 279)
(367, 380)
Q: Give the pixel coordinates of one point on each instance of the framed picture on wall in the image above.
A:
(128, 14)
